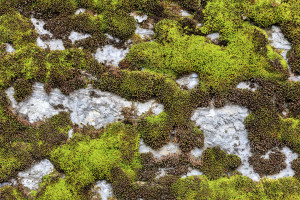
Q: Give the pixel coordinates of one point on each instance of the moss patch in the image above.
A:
(118, 146)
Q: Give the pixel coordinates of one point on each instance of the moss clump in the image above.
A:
(52, 8)
(290, 133)
(216, 163)
(235, 187)
(138, 85)
(28, 63)
(54, 187)
(294, 59)
(16, 30)
(120, 24)
(8, 192)
(189, 138)
(296, 167)
(273, 165)
(86, 161)
(263, 126)
(174, 53)
(155, 130)
(23, 89)
(21, 144)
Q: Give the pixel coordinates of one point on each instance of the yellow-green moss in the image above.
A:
(174, 53)
(236, 187)
(86, 161)
(16, 30)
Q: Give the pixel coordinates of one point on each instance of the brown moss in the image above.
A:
(294, 60)
(296, 167)
(121, 184)
(270, 166)
(189, 138)
(67, 83)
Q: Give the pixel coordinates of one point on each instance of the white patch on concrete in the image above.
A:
(31, 177)
(80, 10)
(192, 172)
(294, 78)
(170, 148)
(162, 172)
(12, 182)
(246, 85)
(70, 133)
(139, 18)
(9, 48)
(75, 36)
(4, 184)
(144, 33)
(190, 81)
(36, 107)
(110, 55)
(185, 13)
(112, 37)
(288, 171)
(39, 26)
(144, 107)
(213, 36)
(196, 152)
(278, 41)
(85, 109)
(104, 189)
(53, 44)
(224, 127)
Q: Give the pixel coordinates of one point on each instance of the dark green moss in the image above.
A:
(52, 8)
(120, 24)
(216, 163)
(23, 89)
(155, 130)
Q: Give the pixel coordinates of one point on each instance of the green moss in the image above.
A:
(224, 16)
(138, 85)
(89, 160)
(174, 53)
(155, 130)
(290, 133)
(58, 189)
(120, 24)
(16, 30)
(216, 163)
(11, 193)
(21, 144)
(23, 89)
(235, 187)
